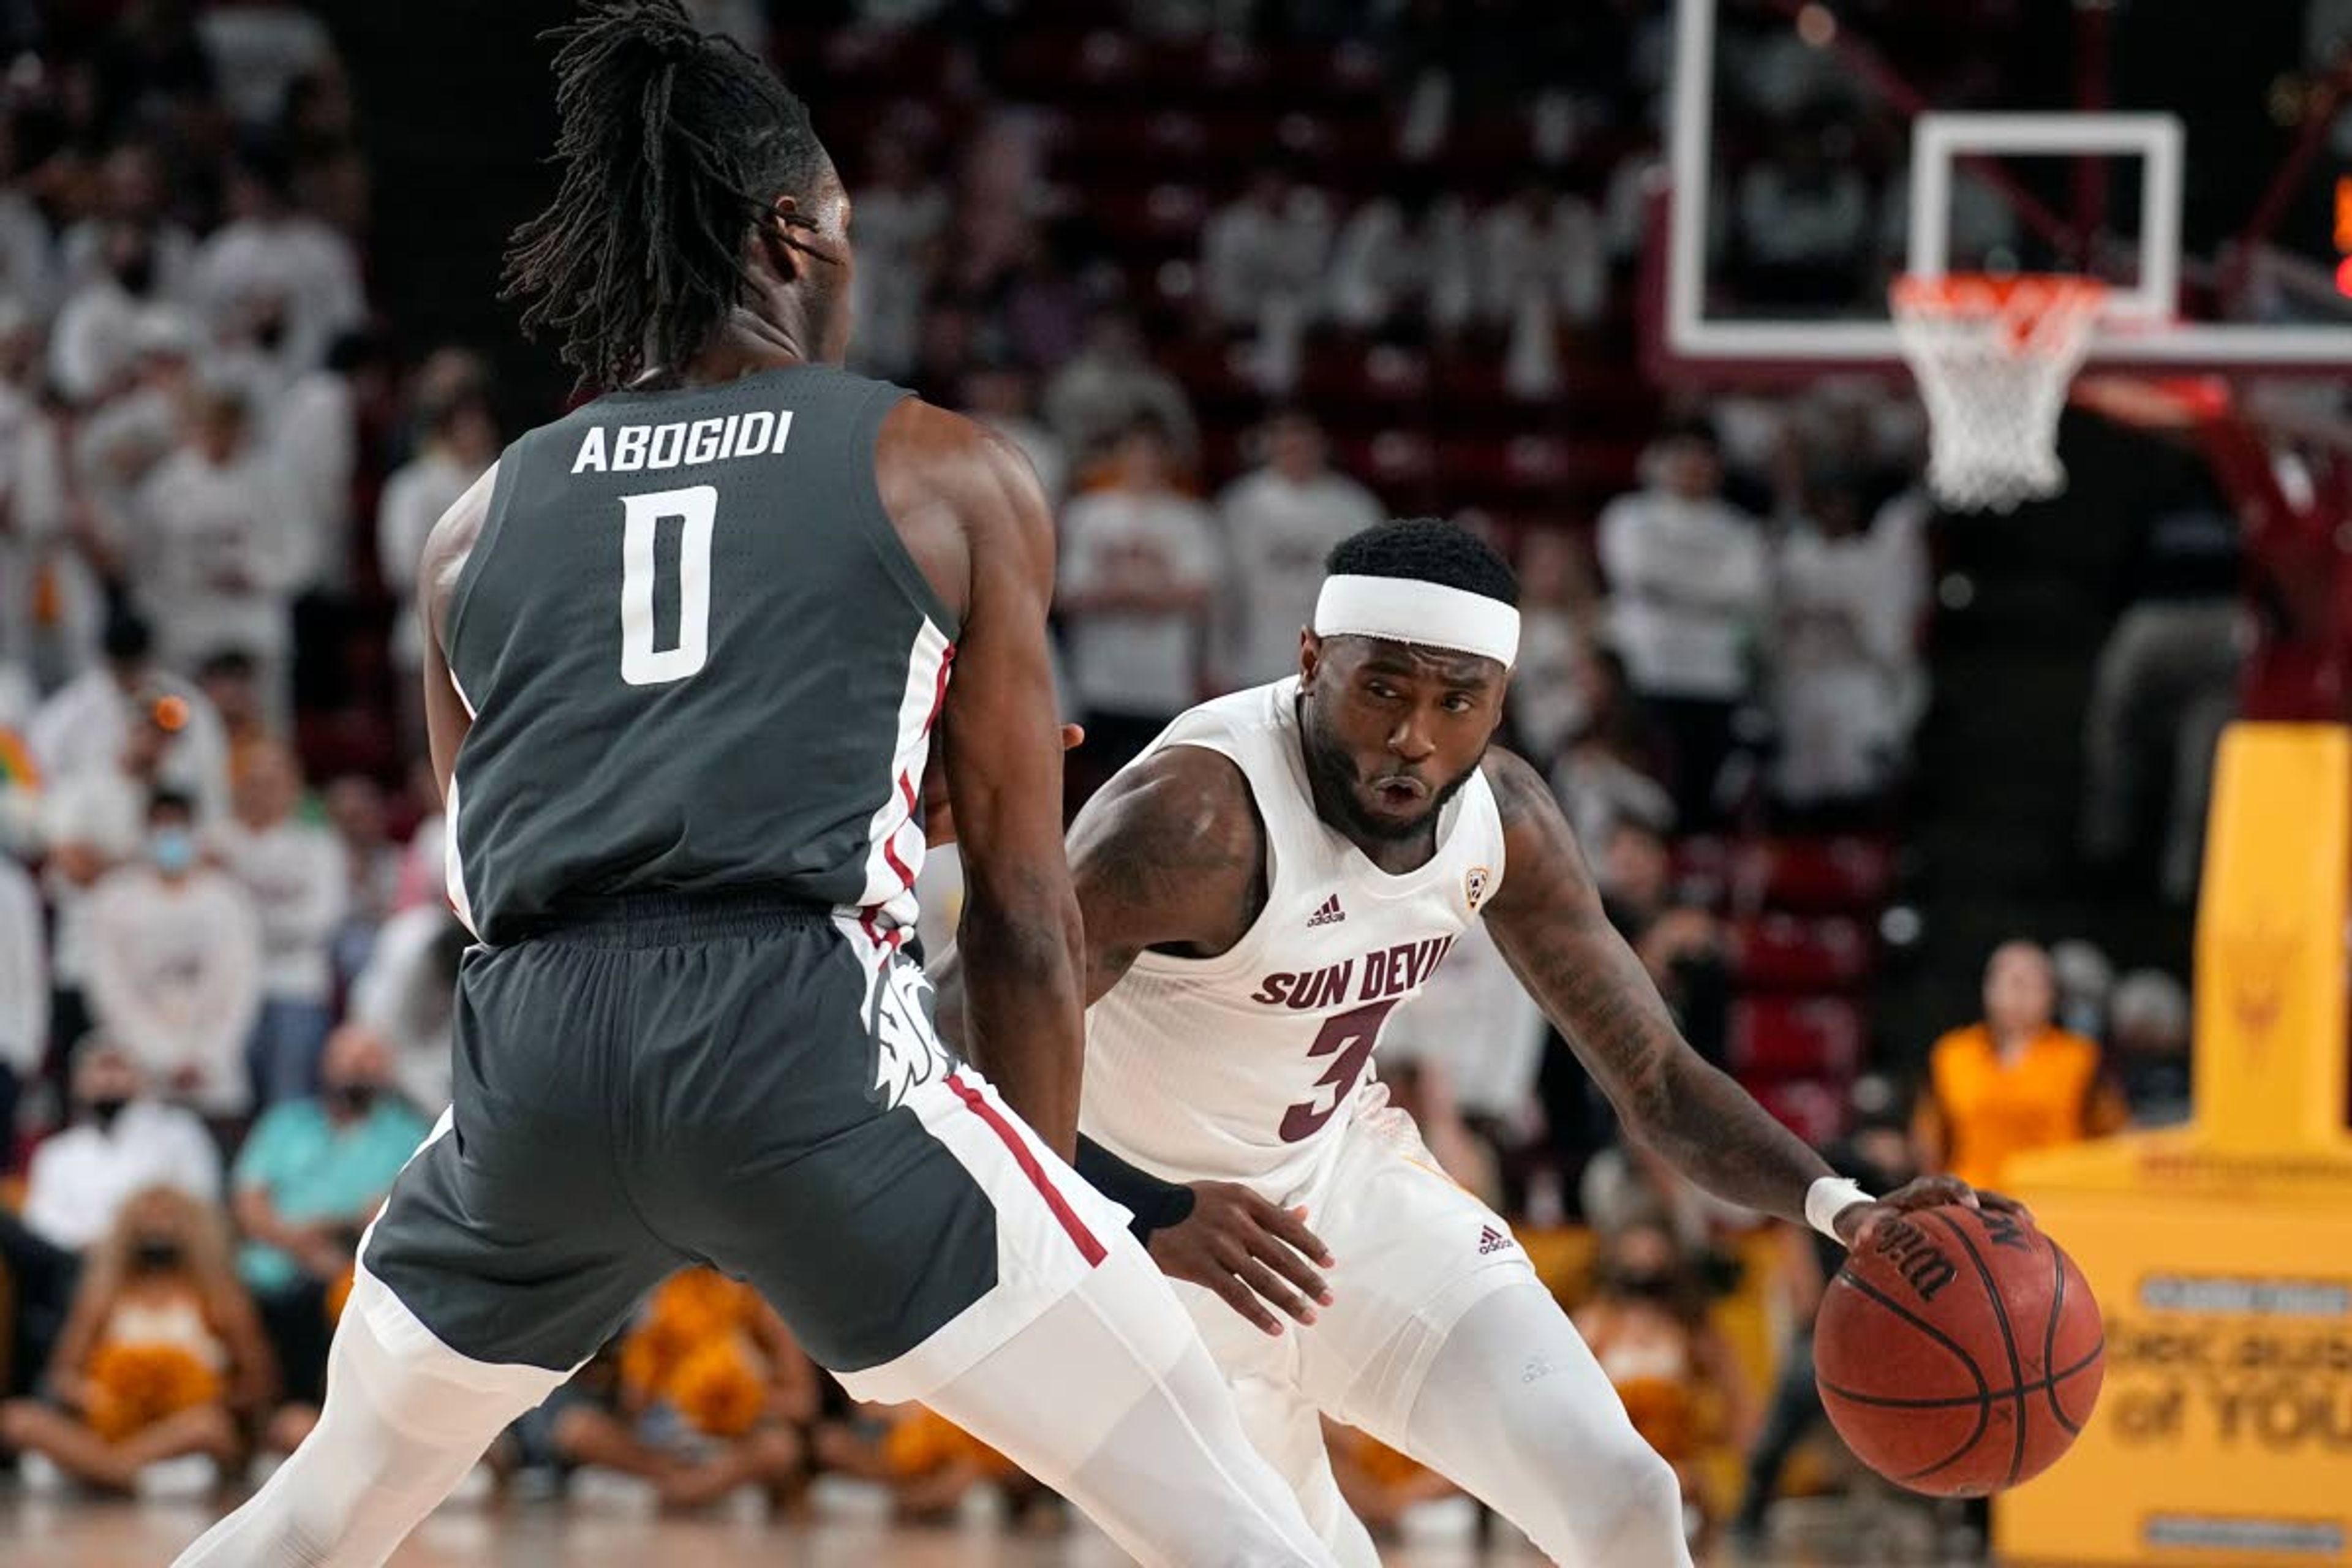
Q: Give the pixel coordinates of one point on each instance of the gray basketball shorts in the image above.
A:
(749, 1084)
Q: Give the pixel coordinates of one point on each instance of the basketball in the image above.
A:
(1959, 1353)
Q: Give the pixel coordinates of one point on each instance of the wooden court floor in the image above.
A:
(43, 1532)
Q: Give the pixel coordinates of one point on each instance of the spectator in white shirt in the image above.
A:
(1609, 772)
(1281, 521)
(223, 560)
(1138, 563)
(23, 989)
(28, 256)
(94, 820)
(371, 869)
(407, 995)
(120, 1142)
(131, 191)
(460, 439)
(259, 48)
(1845, 659)
(1263, 259)
(296, 872)
(1547, 700)
(1403, 266)
(1096, 396)
(1542, 244)
(82, 727)
(118, 445)
(94, 340)
(901, 214)
(176, 965)
(272, 249)
(38, 555)
(314, 442)
(1690, 587)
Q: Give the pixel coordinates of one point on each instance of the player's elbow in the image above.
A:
(1034, 936)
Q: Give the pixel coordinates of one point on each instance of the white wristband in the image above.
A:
(1828, 1198)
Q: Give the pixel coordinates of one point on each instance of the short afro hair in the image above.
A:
(1427, 550)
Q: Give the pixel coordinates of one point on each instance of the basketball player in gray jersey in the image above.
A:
(685, 649)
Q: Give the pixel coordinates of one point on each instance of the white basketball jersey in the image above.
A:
(1247, 1066)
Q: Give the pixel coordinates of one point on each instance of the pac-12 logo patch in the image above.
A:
(1475, 884)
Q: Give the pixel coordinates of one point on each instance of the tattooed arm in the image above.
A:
(1168, 855)
(1548, 922)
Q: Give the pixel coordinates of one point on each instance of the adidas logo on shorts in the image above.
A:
(1331, 914)
(1493, 1240)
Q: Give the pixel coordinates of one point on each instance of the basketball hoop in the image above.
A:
(1994, 357)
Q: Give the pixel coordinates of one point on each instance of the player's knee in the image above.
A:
(1638, 1516)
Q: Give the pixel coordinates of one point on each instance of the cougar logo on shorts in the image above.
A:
(1474, 883)
(906, 1051)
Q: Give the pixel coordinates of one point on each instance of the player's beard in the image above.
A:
(1335, 778)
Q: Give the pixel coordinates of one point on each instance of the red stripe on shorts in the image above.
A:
(1088, 1247)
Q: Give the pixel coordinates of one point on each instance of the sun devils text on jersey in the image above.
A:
(1247, 1066)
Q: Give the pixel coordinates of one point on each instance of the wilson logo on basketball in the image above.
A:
(2004, 1230)
(1922, 1263)
(1474, 883)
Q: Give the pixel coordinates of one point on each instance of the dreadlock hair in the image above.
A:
(673, 142)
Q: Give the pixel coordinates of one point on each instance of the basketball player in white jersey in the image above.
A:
(1260, 888)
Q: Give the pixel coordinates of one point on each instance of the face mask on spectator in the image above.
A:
(1650, 1284)
(358, 1099)
(174, 849)
(106, 1108)
(157, 1254)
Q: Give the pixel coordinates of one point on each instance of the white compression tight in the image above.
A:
(1516, 1411)
(405, 1418)
(1108, 1397)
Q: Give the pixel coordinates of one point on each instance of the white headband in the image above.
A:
(1405, 609)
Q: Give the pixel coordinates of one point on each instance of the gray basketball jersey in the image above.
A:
(698, 658)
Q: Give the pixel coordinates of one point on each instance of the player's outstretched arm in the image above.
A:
(1548, 922)
(1024, 1020)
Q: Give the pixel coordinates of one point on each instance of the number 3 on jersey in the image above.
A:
(697, 508)
(1352, 1036)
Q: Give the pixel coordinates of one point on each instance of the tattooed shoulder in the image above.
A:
(1174, 851)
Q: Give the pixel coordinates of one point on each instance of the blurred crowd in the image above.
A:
(226, 958)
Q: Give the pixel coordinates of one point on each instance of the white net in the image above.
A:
(1994, 357)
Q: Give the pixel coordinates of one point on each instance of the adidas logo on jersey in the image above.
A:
(1331, 914)
(1493, 1240)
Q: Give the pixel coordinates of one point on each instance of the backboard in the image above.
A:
(1815, 152)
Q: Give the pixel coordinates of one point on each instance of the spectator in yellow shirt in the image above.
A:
(2014, 1082)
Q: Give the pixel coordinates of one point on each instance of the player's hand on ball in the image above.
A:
(1248, 1251)
(1855, 1223)
(939, 812)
